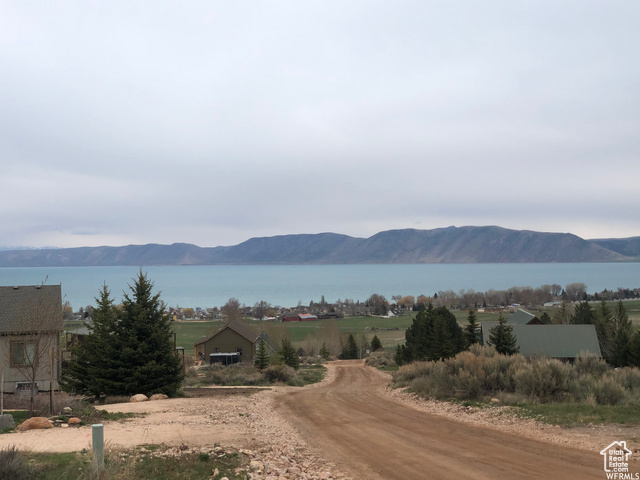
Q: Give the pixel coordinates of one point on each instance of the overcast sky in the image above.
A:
(213, 122)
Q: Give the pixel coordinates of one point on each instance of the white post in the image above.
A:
(97, 436)
(1, 388)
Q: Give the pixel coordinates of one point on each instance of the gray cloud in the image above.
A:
(210, 123)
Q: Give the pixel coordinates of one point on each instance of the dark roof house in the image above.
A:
(556, 341)
(520, 317)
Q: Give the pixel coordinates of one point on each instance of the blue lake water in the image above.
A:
(286, 285)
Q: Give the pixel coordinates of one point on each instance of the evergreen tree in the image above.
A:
(401, 356)
(324, 351)
(471, 329)
(262, 355)
(562, 316)
(502, 338)
(288, 354)
(583, 314)
(602, 316)
(634, 350)
(147, 359)
(545, 318)
(127, 352)
(620, 329)
(376, 344)
(94, 370)
(433, 335)
(350, 350)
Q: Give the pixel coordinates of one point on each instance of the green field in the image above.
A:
(188, 332)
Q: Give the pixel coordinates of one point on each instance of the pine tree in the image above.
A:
(545, 318)
(147, 360)
(129, 351)
(376, 344)
(619, 333)
(93, 370)
(433, 335)
(324, 351)
(471, 329)
(634, 349)
(602, 317)
(583, 314)
(350, 349)
(563, 315)
(288, 354)
(262, 355)
(502, 338)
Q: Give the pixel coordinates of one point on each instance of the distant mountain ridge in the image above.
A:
(489, 244)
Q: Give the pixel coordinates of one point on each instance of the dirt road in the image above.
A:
(372, 437)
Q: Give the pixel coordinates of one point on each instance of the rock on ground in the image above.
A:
(34, 423)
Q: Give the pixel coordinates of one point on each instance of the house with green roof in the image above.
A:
(565, 342)
(520, 317)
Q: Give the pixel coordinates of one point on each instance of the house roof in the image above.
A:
(558, 341)
(241, 329)
(520, 317)
(26, 308)
(268, 341)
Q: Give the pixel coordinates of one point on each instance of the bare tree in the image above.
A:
(261, 309)
(575, 291)
(231, 310)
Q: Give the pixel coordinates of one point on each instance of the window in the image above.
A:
(239, 350)
(23, 354)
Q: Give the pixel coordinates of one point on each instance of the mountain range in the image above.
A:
(488, 244)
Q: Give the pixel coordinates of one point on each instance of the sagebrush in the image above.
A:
(481, 372)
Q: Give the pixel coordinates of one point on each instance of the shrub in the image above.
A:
(482, 372)
(589, 364)
(628, 377)
(13, 465)
(608, 392)
(542, 379)
(278, 373)
(237, 374)
(379, 358)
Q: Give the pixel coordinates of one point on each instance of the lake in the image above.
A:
(286, 285)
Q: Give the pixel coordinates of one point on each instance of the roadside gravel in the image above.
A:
(503, 418)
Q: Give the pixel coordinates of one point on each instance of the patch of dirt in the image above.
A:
(199, 392)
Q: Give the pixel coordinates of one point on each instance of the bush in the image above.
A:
(590, 365)
(278, 373)
(13, 465)
(481, 372)
(380, 358)
(237, 374)
(542, 379)
(608, 392)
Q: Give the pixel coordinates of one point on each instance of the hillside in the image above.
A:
(629, 247)
(442, 245)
